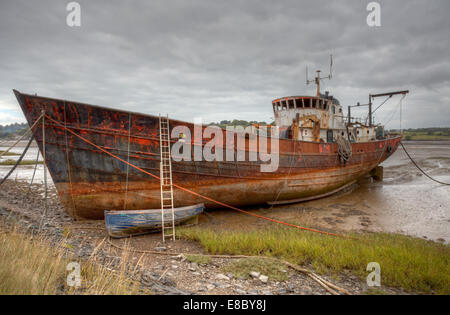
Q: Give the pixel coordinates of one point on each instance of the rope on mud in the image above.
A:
(420, 169)
(197, 194)
(330, 287)
(18, 161)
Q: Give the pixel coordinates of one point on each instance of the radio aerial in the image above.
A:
(318, 78)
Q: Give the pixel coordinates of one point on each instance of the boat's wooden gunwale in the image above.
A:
(153, 211)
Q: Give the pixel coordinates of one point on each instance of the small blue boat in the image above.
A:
(137, 222)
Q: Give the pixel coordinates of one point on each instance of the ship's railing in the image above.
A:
(355, 120)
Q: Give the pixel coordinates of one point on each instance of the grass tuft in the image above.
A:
(8, 153)
(411, 263)
(199, 259)
(23, 162)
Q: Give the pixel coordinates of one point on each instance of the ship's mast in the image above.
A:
(318, 82)
(318, 78)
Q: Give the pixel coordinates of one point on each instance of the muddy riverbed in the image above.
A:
(155, 265)
(405, 202)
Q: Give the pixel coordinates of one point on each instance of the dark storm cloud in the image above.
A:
(225, 59)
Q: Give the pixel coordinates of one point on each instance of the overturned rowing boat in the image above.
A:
(137, 222)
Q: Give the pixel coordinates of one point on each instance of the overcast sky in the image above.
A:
(226, 59)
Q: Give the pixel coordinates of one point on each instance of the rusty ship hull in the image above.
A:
(89, 181)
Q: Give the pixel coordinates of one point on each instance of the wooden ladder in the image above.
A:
(166, 177)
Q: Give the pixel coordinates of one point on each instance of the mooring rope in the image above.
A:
(420, 169)
(34, 171)
(344, 149)
(18, 161)
(195, 193)
(23, 136)
(26, 148)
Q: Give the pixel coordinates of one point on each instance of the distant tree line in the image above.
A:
(237, 122)
(433, 133)
(12, 130)
(438, 131)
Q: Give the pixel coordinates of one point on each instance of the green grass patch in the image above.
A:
(8, 153)
(272, 268)
(426, 136)
(411, 263)
(199, 259)
(23, 162)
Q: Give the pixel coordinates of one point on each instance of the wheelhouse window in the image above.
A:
(291, 104)
(308, 103)
(278, 106)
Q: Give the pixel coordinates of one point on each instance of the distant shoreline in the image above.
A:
(23, 143)
(426, 140)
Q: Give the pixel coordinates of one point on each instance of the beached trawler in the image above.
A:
(320, 152)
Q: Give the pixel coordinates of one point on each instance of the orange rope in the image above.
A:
(193, 192)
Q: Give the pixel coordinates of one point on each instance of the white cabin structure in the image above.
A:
(317, 119)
